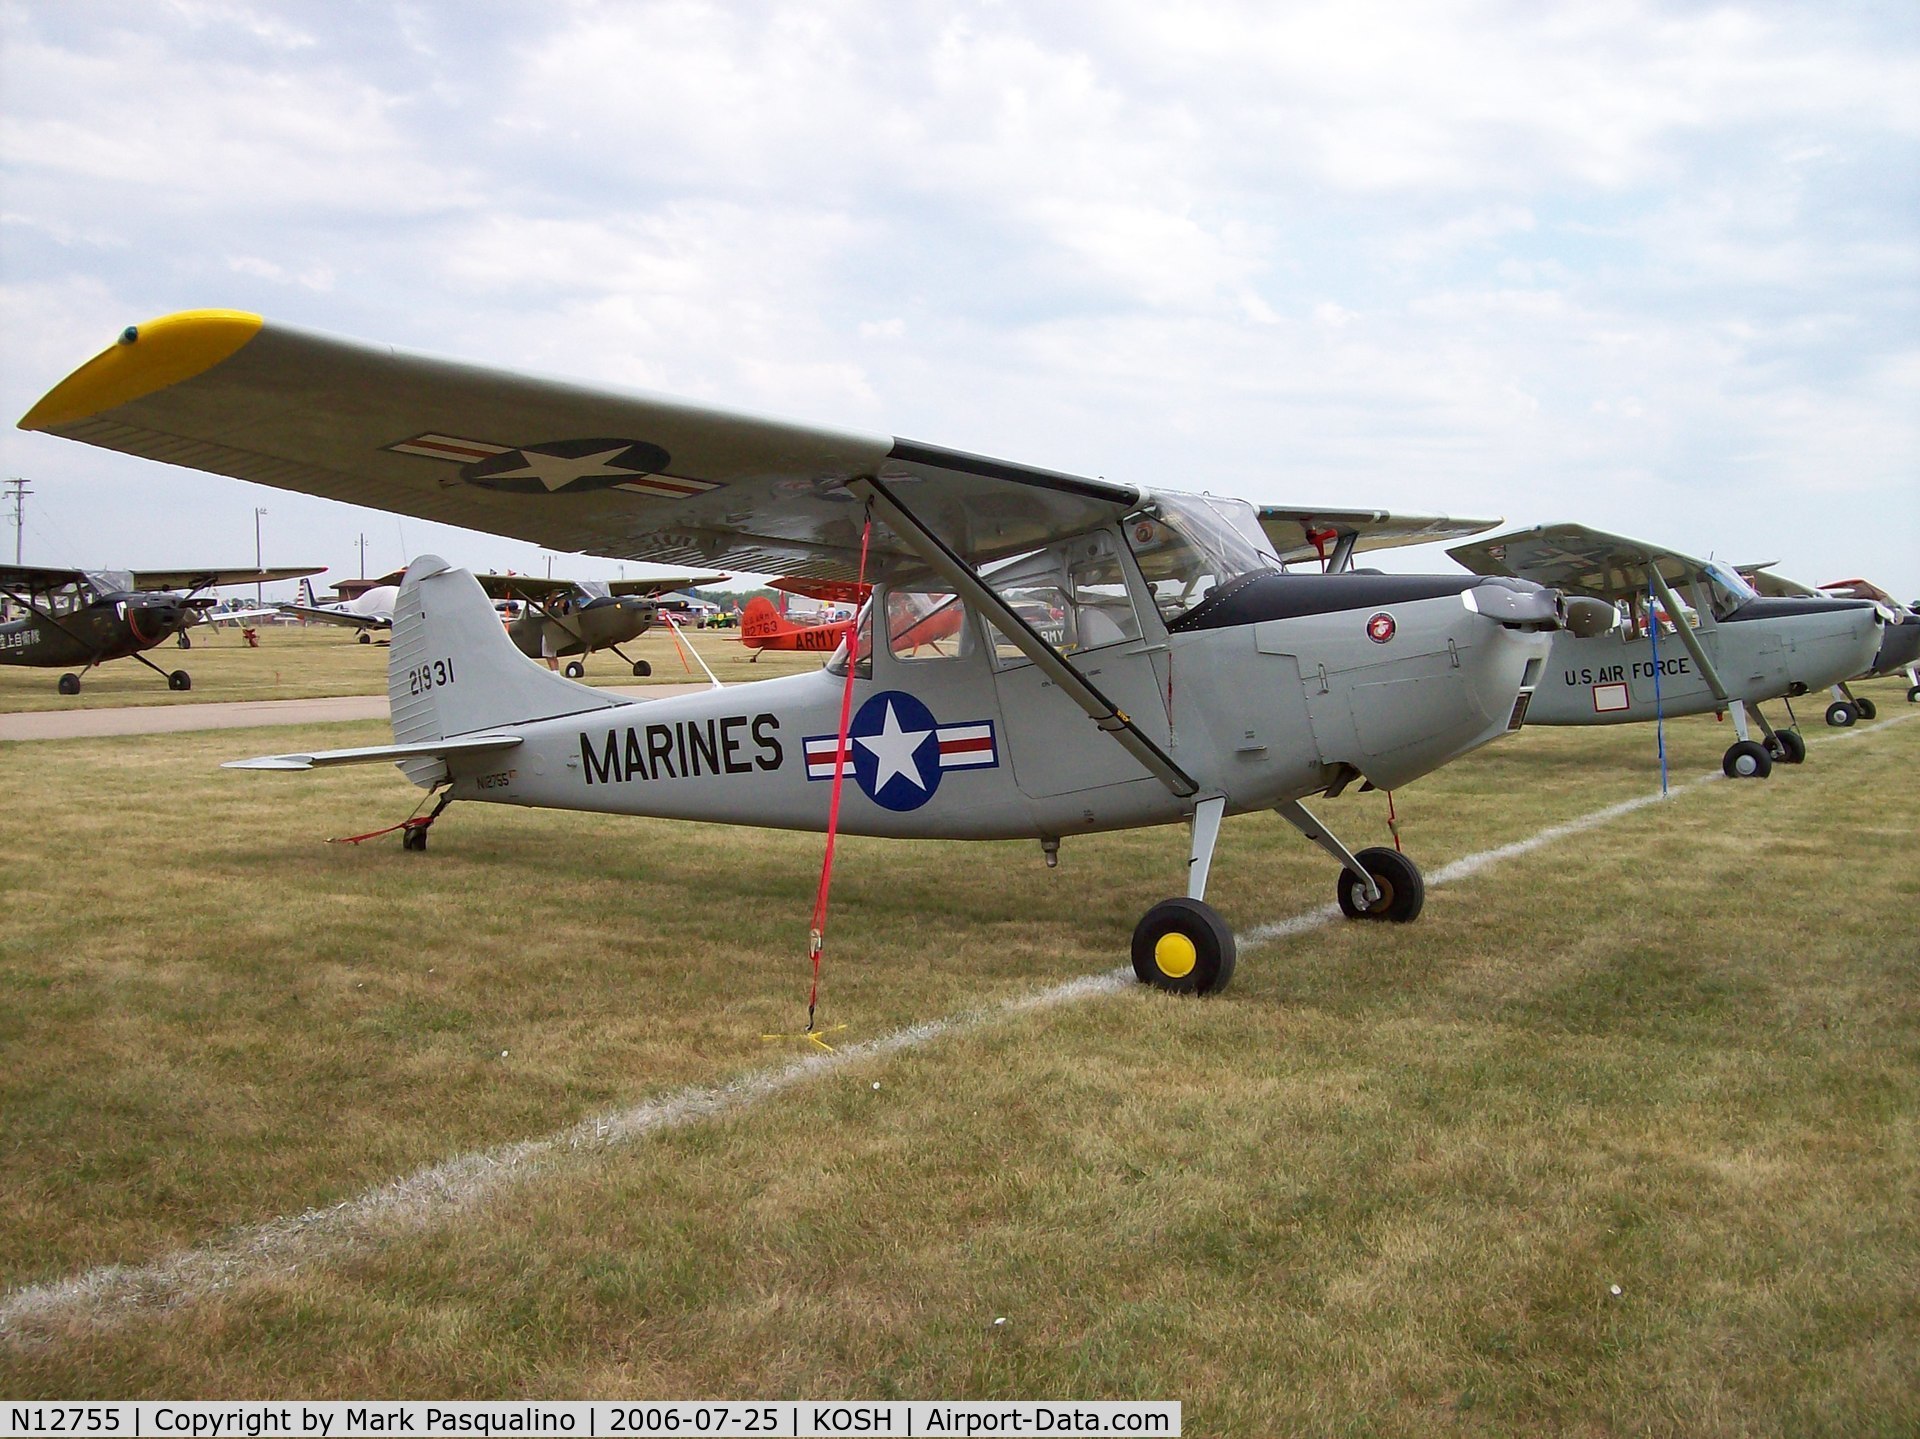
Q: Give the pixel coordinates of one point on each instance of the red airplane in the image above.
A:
(763, 627)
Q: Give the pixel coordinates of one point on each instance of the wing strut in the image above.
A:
(1687, 636)
(970, 587)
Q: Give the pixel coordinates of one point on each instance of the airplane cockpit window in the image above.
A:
(1073, 594)
(1188, 546)
(1726, 591)
(863, 655)
(926, 624)
(106, 582)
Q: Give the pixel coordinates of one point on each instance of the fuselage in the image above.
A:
(1274, 696)
(107, 626)
(1762, 650)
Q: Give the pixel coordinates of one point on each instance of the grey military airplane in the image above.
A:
(76, 619)
(1728, 651)
(1201, 682)
(570, 619)
(1899, 651)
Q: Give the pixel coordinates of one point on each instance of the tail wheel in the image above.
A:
(179, 680)
(414, 837)
(1183, 946)
(1402, 892)
(1788, 747)
(69, 684)
(365, 638)
(575, 670)
(1841, 715)
(642, 668)
(1746, 760)
(1868, 709)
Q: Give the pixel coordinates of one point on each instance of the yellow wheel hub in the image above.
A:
(1175, 956)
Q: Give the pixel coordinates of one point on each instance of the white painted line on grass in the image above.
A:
(103, 1295)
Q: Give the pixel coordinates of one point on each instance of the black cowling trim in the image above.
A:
(1273, 596)
(1786, 606)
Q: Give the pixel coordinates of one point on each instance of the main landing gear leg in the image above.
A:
(641, 668)
(178, 680)
(1744, 759)
(1783, 746)
(1183, 945)
(1376, 883)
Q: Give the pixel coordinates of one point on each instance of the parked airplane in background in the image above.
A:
(563, 618)
(764, 626)
(1729, 650)
(1219, 685)
(363, 605)
(1899, 651)
(82, 618)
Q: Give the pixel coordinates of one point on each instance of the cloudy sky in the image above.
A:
(1649, 266)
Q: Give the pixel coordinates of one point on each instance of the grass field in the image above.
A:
(1384, 1185)
(307, 662)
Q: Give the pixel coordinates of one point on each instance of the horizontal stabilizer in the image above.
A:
(372, 754)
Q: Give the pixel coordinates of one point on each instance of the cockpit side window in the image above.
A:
(1725, 590)
(1074, 594)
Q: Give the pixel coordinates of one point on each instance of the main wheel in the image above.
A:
(1841, 715)
(179, 680)
(1788, 747)
(69, 684)
(1402, 891)
(365, 638)
(575, 670)
(642, 668)
(1913, 695)
(1746, 760)
(1183, 945)
(1868, 709)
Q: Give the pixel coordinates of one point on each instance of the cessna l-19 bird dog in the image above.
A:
(1202, 681)
(82, 618)
(570, 619)
(1899, 651)
(1737, 649)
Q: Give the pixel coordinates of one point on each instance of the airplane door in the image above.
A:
(1055, 748)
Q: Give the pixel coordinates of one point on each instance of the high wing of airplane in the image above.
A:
(1899, 651)
(76, 619)
(1204, 682)
(1331, 537)
(1728, 649)
(570, 619)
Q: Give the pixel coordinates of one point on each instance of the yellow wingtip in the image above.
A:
(144, 359)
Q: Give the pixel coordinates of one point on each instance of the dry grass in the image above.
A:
(1383, 1185)
(307, 662)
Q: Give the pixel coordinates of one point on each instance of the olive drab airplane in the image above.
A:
(1899, 652)
(1718, 646)
(76, 619)
(570, 619)
(1203, 681)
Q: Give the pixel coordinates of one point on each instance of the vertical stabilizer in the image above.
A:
(452, 670)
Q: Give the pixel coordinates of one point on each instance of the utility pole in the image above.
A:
(258, 510)
(361, 545)
(20, 493)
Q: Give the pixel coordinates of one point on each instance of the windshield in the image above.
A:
(1725, 589)
(1189, 546)
(110, 582)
